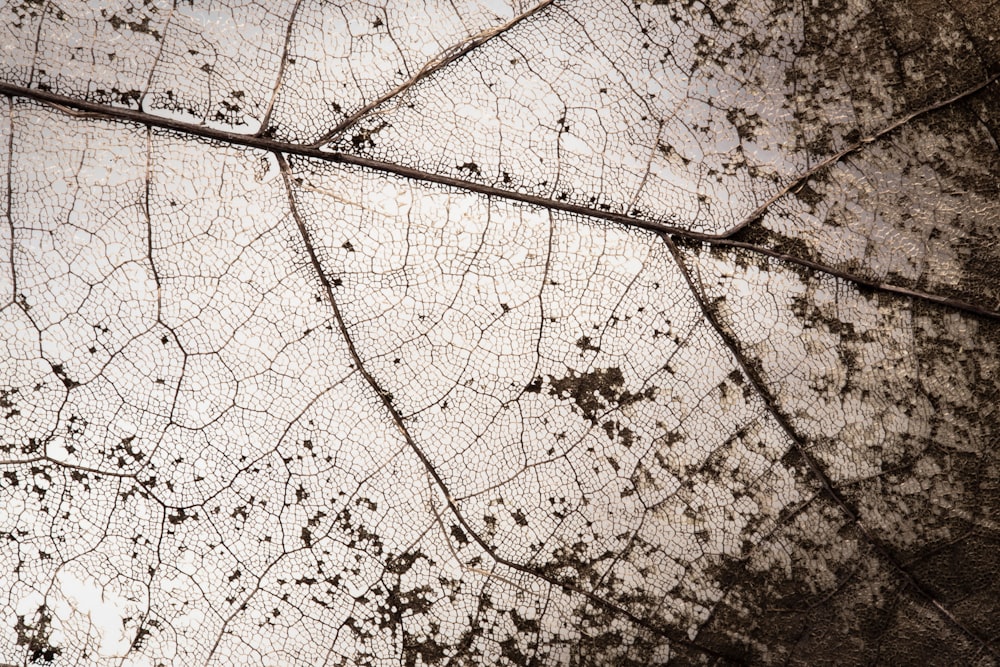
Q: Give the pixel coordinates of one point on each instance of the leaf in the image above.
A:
(568, 333)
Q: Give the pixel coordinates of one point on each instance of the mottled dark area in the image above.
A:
(928, 191)
(924, 515)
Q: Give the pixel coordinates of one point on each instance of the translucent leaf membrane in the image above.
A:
(344, 57)
(191, 439)
(559, 377)
(214, 65)
(918, 208)
(692, 115)
(226, 65)
(208, 460)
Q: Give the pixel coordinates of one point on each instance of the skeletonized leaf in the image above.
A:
(566, 333)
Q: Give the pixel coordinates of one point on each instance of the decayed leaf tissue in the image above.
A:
(587, 332)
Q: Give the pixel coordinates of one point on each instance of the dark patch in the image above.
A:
(737, 378)
(129, 98)
(7, 404)
(618, 433)
(585, 344)
(126, 446)
(746, 124)
(426, 650)
(459, 535)
(807, 194)
(180, 516)
(596, 391)
(61, 374)
(36, 635)
(142, 26)
(140, 638)
(361, 537)
(399, 604)
(364, 139)
(524, 625)
(510, 650)
(402, 563)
